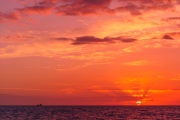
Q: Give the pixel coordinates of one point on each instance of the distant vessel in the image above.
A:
(39, 105)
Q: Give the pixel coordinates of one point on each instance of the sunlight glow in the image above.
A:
(138, 103)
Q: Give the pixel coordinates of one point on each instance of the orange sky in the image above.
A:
(89, 52)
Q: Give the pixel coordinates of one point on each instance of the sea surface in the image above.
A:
(89, 112)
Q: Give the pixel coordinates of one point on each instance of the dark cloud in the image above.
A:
(135, 7)
(174, 33)
(48, 2)
(36, 9)
(98, 2)
(92, 39)
(138, 7)
(167, 37)
(8, 16)
(84, 7)
(128, 40)
(173, 18)
(63, 39)
(90, 7)
(87, 40)
(130, 7)
(150, 3)
(171, 36)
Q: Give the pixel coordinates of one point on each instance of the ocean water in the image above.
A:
(90, 113)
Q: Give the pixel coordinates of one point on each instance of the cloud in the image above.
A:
(23, 89)
(171, 36)
(69, 7)
(136, 63)
(36, 9)
(62, 7)
(48, 2)
(174, 34)
(173, 18)
(88, 40)
(87, 7)
(132, 8)
(63, 39)
(84, 7)
(128, 40)
(92, 39)
(90, 7)
(139, 7)
(19, 12)
(8, 16)
(147, 4)
(167, 37)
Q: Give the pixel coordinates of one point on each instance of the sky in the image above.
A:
(89, 52)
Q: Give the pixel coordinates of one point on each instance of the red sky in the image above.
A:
(89, 52)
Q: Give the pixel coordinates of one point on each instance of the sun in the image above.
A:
(138, 103)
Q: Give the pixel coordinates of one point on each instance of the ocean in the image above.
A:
(89, 112)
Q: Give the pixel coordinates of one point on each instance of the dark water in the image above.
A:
(90, 113)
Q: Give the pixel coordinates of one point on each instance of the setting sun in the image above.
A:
(138, 103)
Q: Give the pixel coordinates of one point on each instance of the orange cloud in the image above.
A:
(36, 9)
(173, 18)
(173, 35)
(84, 7)
(136, 63)
(9, 16)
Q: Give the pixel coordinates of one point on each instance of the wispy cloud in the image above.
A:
(9, 16)
(35, 9)
(63, 39)
(136, 63)
(22, 89)
(174, 35)
(173, 18)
